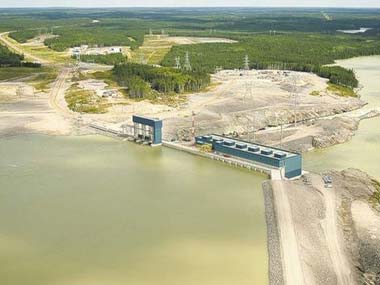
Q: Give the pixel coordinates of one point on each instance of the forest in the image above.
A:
(303, 39)
(108, 59)
(128, 26)
(299, 52)
(141, 79)
(11, 59)
(8, 58)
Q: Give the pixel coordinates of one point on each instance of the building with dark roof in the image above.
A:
(290, 163)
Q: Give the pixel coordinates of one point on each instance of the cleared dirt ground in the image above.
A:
(244, 102)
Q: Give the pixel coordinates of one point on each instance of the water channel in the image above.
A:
(363, 151)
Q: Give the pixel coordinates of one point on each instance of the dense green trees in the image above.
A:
(8, 58)
(142, 79)
(109, 59)
(92, 36)
(300, 52)
(295, 39)
(338, 75)
(11, 59)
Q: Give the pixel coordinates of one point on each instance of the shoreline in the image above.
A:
(275, 271)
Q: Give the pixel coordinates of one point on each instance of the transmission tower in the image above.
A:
(187, 65)
(142, 58)
(150, 32)
(193, 124)
(78, 57)
(246, 62)
(178, 62)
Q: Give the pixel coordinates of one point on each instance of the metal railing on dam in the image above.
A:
(228, 160)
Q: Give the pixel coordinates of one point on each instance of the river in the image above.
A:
(363, 151)
(93, 210)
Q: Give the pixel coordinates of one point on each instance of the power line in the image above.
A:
(177, 62)
(246, 62)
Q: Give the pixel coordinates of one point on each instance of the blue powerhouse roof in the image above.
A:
(153, 122)
(262, 150)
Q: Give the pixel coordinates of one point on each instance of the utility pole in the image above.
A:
(187, 65)
(253, 133)
(78, 57)
(19, 92)
(193, 125)
(295, 94)
(281, 130)
(142, 58)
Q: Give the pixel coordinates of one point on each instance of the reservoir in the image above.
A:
(363, 151)
(93, 210)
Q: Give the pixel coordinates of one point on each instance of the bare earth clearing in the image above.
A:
(245, 103)
(251, 104)
(156, 47)
(27, 112)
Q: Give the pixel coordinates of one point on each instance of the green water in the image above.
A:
(363, 151)
(92, 210)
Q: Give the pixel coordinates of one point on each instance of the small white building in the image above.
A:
(115, 50)
(76, 51)
(109, 93)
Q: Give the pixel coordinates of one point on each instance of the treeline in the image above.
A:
(23, 36)
(107, 32)
(299, 52)
(339, 75)
(142, 79)
(108, 59)
(8, 58)
(11, 59)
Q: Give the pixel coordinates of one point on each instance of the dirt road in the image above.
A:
(57, 93)
(13, 45)
(333, 237)
(292, 268)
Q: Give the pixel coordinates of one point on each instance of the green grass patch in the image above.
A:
(315, 93)
(341, 90)
(84, 101)
(42, 81)
(7, 73)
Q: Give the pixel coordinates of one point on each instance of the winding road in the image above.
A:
(16, 47)
(57, 92)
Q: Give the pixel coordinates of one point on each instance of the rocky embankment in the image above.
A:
(334, 131)
(359, 219)
(318, 133)
(338, 130)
